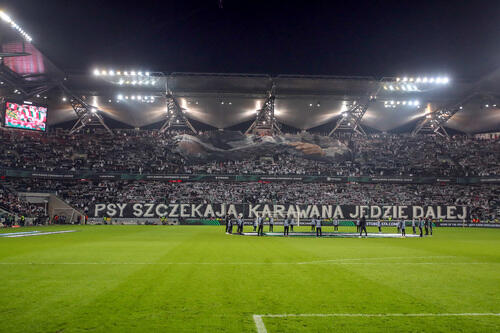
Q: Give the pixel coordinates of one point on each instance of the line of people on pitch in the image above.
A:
(421, 224)
(316, 225)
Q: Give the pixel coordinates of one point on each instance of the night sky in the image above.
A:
(372, 38)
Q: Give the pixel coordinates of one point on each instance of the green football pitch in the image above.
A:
(198, 279)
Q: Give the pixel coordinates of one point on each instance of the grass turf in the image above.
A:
(196, 278)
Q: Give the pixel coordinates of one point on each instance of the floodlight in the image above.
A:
(147, 73)
(431, 80)
(132, 73)
(64, 99)
(120, 97)
(103, 72)
(140, 73)
(391, 87)
(405, 79)
(5, 17)
(93, 110)
(96, 72)
(125, 73)
(445, 80)
(111, 72)
(424, 80)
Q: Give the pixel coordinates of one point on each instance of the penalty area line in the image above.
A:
(261, 327)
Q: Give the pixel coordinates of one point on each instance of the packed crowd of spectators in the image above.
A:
(82, 194)
(12, 204)
(145, 151)
(131, 151)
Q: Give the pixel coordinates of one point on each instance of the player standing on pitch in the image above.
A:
(430, 226)
(317, 220)
(286, 223)
(271, 223)
(413, 225)
(362, 226)
(260, 230)
(336, 225)
(420, 225)
(379, 225)
(239, 220)
(426, 225)
(256, 222)
(226, 221)
(229, 225)
(403, 228)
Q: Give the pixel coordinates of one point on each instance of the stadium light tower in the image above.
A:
(87, 114)
(433, 122)
(176, 119)
(265, 122)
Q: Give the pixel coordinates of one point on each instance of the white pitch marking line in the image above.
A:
(261, 327)
(259, 323)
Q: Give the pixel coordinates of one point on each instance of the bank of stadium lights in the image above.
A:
(412, 83)
(136, 98)
(133, 78)
(6, 18)
(394, 104)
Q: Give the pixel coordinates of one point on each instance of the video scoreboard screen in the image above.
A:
(26, 116)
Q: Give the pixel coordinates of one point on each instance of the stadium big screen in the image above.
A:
(25, 116)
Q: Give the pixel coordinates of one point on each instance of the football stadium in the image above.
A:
(139, 199)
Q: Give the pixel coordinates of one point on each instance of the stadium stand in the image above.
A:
(150, 152)
(82, 194)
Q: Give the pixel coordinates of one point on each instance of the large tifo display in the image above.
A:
(25, 116)
(186, 210)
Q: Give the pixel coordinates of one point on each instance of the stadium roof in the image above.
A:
(302, 102)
